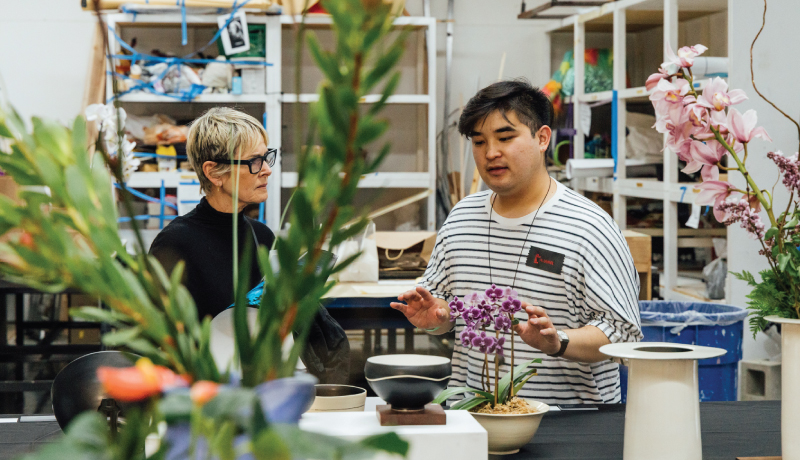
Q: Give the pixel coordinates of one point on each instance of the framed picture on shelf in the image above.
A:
(235, 37)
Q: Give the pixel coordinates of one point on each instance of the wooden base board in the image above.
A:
(433, 414)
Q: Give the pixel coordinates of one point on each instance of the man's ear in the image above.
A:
(543, 137)
(208, 169)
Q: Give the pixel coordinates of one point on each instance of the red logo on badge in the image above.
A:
(541, 259)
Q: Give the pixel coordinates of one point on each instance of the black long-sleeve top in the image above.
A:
(203, 239)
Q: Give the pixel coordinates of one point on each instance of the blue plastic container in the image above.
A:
(698, 323)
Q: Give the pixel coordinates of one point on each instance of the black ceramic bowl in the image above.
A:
(76, 388)
(407, 382)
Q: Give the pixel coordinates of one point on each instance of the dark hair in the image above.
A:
(530, 105)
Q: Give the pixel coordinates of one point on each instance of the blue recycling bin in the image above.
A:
(698, 323)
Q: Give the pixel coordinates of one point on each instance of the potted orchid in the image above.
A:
(489, 317)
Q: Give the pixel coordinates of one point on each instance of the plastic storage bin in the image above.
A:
(698, 323)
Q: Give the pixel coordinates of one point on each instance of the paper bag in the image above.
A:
(405, 254)
(365, 268)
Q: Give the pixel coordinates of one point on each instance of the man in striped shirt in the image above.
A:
(562, 253)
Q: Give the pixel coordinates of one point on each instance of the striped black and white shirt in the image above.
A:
(597, 285)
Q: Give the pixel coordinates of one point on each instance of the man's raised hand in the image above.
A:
(422, 309)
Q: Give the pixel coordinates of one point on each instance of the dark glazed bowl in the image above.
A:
(408, 382)
(76, 388)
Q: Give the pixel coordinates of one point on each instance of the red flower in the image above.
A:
(139, 382)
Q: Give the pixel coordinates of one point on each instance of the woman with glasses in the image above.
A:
(203, 238)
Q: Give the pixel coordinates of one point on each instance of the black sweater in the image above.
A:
(203, 239)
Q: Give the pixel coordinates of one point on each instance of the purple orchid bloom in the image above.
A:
(483, 342)
(494, 293)
(511, 305)
(502, 323)
(497, 346)
(473, 317)
(467, 335)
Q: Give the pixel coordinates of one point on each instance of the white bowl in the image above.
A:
(339, 398)
(509, 432)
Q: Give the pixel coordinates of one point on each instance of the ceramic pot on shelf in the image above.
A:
(790, 392)
(662, 415)
(509, 432)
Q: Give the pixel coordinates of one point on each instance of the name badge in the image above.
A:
(543, 259)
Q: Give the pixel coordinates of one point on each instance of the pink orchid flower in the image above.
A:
(653, 79)
(743, 127)
(677, 130)
(713, 193)
(716, 95)
(668, 97)
(685, 56)
(702, 154)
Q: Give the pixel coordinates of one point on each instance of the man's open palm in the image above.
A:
(422, 309)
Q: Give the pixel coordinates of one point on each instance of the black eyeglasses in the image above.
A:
(254, 164)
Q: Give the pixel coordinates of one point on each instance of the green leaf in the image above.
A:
(446, 394)
(268, 445)
(387, 442)
(470, 403)
(121, 337)
(505, 382)
(771, 233)
(783, 259)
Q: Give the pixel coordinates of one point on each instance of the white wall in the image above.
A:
(44, 56)
(775, 72)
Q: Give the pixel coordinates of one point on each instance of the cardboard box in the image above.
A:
(641, 249)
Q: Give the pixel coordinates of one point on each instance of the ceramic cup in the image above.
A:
(338, 398)
(408, 382)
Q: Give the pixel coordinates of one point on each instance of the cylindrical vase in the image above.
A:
(662, 416)
(790, 391)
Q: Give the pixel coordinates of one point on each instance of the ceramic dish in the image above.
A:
(339, 398)
(408, 382)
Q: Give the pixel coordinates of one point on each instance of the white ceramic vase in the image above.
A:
(790, 391)
(662, 416)
(509, 432)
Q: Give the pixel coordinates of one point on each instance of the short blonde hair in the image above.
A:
(216, 132)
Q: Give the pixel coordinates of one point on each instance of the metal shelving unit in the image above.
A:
(274, 97)
(618, 18)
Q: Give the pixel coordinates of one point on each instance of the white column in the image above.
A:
(579, 46)
(273, 111)
(670, 167)
(620, 208)
(431, 47)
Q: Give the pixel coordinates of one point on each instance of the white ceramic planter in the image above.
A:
(509, 432)
(662, 416)
(339, 398)
(790, 391)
